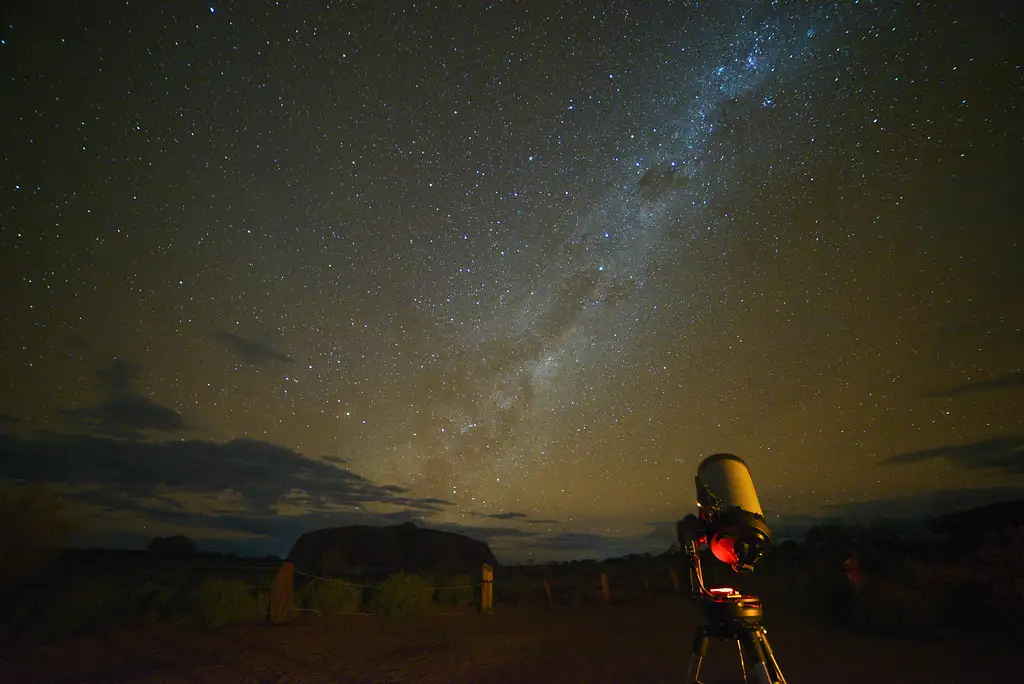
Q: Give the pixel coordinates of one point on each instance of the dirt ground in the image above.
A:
(642, 642)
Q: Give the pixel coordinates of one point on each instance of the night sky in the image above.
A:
(506, 268)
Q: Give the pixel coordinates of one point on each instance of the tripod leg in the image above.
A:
(698, 652)
(743, 664)
(751, 638)
(762, 635)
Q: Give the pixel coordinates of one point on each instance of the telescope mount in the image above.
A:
(731, 616)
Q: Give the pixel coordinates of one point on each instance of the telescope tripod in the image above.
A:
(727, 615)
(735, 618)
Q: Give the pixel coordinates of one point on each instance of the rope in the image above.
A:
(371, 586)
(303, 610)
(338, 581)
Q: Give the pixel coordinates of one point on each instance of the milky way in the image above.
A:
(516, 268)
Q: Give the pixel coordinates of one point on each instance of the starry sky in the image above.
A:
(505, 268)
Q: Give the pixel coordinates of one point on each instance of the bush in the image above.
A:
(155, 601)
(828, 594)
(457, 591)
(71, 608)
(403, 594)
(330, 598)
(33, 526)
(93, 604)
(889, 606)
(519, 588)
(225, 602)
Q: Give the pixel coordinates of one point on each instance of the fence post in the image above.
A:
(487, 589)
(675, 580)
(281, 592)
(547, 590)
(605, 590)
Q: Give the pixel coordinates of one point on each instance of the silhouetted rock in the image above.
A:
(175, 545)
(406, 547)
(970, 528)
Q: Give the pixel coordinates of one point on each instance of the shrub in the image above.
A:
(829, 595)
(403, 594)
(456, 591)
(153, 601)
(71, 608)
(329, 598)
(90, 603)
(890, 606)
(515, 588)
(33, 526)
(224, 602)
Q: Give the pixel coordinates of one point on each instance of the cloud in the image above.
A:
(590, 545)
(253, 352)
(921, 506)
(246, 495)
(117, 378)
(575, 541)
(1013, 379)
(506, 516)
(126, 416)
(911, 511)
(492, 535)
(663, 530)
(123, 412)
(999, 453)
(262, 474)
(519, 517)
(434, 502)
(247, 534)
(232, 495)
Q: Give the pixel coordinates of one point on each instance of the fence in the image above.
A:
(282, 590)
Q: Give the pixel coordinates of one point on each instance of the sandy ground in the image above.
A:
(643, 642)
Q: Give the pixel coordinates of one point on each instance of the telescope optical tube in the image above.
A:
(737, 531)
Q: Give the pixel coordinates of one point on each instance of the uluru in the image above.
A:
(359, 549)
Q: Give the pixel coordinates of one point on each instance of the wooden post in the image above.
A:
(281, 592)
(675, 580)
(547, 590)
(647, 588)
(605, 591)
(487, 589)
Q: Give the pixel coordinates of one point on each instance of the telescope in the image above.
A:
(731, 523)
(727, 504)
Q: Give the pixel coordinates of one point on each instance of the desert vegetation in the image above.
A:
(871, 579)
(866, 577)
(34, 526)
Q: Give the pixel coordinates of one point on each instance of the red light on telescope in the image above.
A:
(724, 549)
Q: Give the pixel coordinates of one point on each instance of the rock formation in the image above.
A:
(362, 549)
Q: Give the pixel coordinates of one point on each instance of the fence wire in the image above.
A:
(373, 586)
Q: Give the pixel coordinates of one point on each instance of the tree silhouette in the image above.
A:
(34, 525)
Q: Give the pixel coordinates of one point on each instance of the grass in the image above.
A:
(403, 595)
(329, 598)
